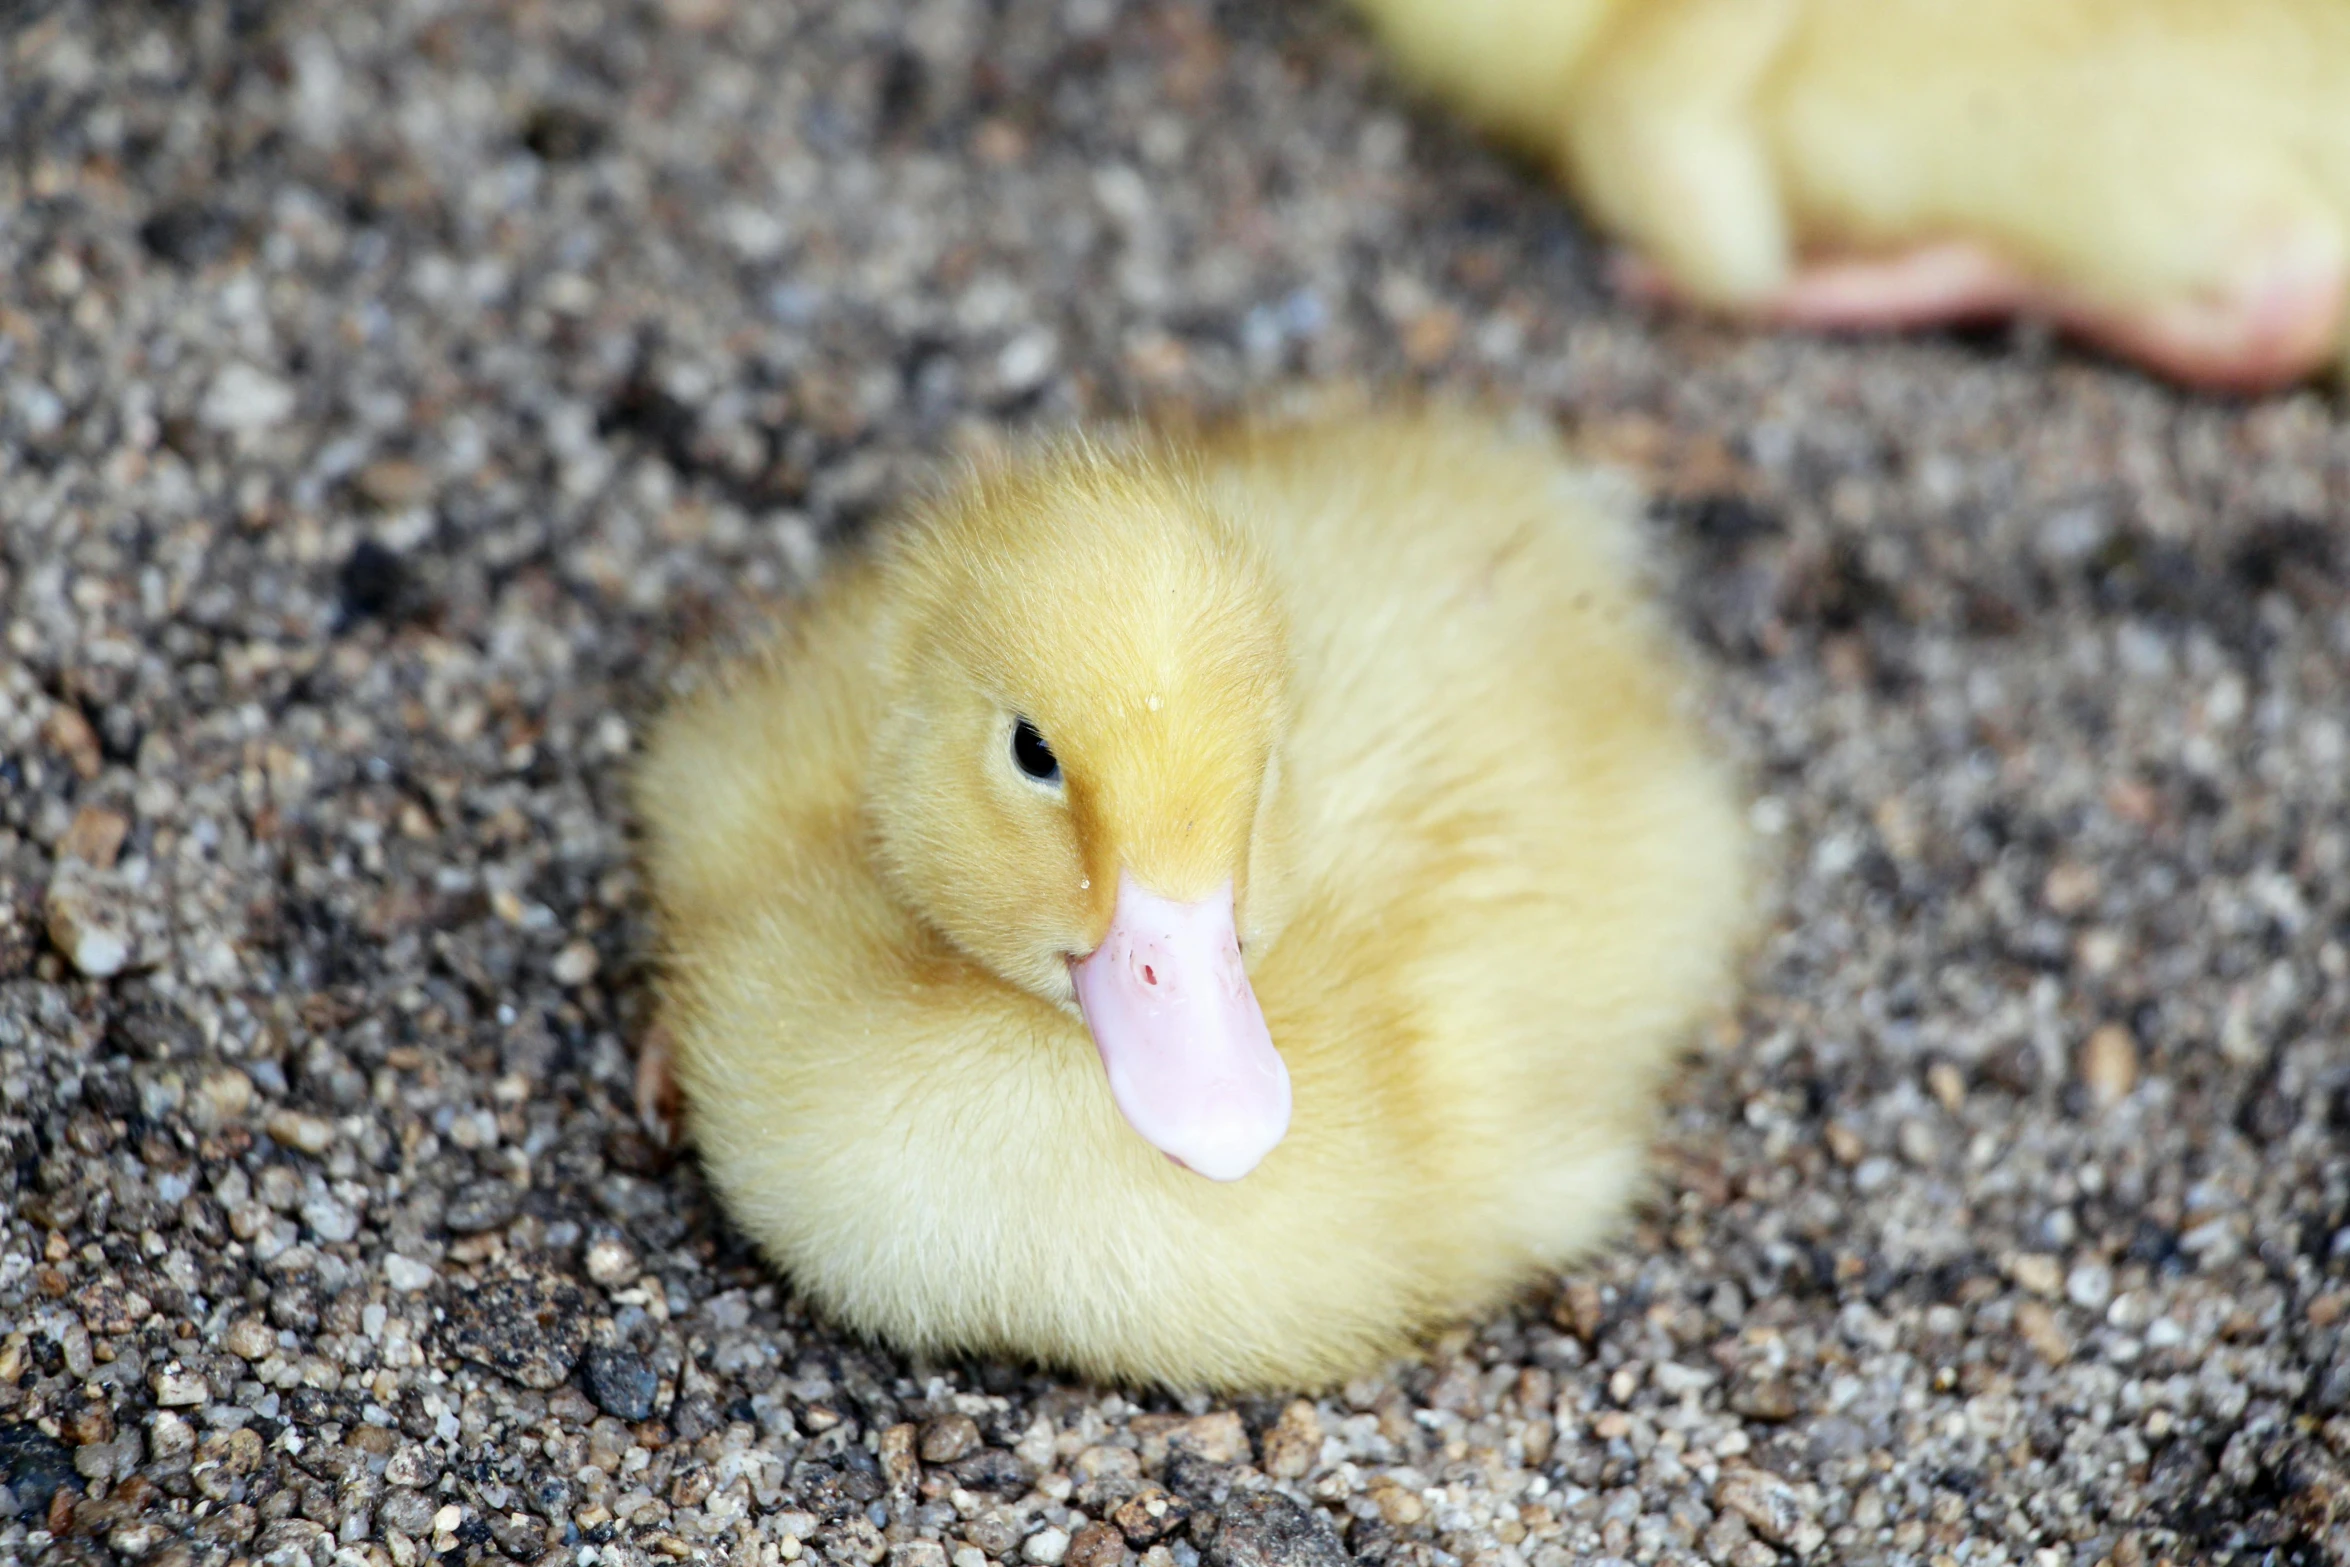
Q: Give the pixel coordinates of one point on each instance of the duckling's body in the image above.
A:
(2168, 177)
(1392, 680)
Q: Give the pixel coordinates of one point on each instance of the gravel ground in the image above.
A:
(393, 396)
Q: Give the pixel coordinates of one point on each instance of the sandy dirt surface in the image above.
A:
(393, 396)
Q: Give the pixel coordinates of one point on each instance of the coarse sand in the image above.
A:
(394, 398)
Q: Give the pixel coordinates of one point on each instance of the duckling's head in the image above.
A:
(1086, 677)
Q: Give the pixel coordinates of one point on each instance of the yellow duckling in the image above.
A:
(1197, 910)
(2170, 178)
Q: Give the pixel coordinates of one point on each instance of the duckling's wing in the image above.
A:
(1507, 827)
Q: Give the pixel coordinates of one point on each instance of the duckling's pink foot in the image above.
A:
(656, 1087)
(2281, 322)
(1930, 286)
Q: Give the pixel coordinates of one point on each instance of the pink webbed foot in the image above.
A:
(2281, 323)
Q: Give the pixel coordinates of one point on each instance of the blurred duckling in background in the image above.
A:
(1197, 910)
(2167, 178)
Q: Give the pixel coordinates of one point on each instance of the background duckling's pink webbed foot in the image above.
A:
(1931, 286)
(2280, 325)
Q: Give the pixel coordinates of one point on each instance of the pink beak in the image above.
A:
(1191, 1064)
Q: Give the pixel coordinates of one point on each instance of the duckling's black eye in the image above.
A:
(1036, 759)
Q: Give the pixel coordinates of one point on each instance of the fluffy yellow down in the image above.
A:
(1394, 676)
(2135, 150)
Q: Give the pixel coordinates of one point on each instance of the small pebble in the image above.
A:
(405, 1274)
(95, 837)
(87, 1424)
(1025, 362)
(305, 1133)
(110, 1310)
(177, 1389)
(1151, 1515)
(1770, 1507)
(250, 1338)
(169, 1436)
(1096, 1545)
(2109, 1064)
(413, 1465)
(1768, 1399)
(330, 1221)
(373, 581)
(1267, 1529)
(1294, 1444)
(222, 1096)
(620, 1381)
(1399, 1506)
(136, 1538)
(2037, 1326)
(246, 400)
(2089, 1285)
(1046, 1548)
(529, 1326)
(2036, 1272)
(2069, 888)
(88, 932)
(68, 731)
(899, 1465)
(482, 1205)
(948, 1437)
(1218, 1437)
(610, 1263)
(394, 483)
(575, 965)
